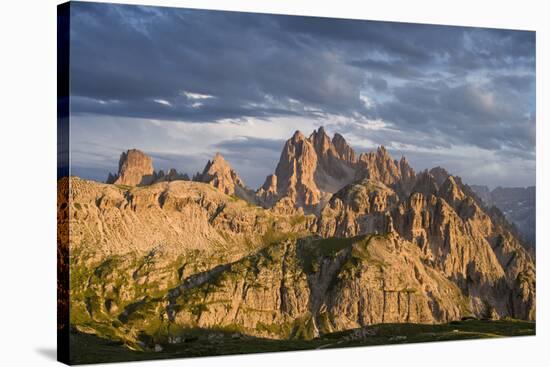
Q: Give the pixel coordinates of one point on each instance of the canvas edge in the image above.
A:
(63, 170)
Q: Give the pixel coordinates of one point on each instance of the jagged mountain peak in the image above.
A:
(218, 157)
(381, 150)
(311, 168)
(338, 137)
(425, 184)
(297, 136)
(321, 141)
(451, 190)
(217, 163)
(440, 174)
(219, 173)
(320, 132)
(135, 168)
(439, 255)
(343, 149)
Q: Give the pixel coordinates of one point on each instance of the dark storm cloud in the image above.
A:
(483, 115)
(244, 61)
(396, 69)
(377, 83)
(433, 85)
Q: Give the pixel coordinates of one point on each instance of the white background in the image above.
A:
(28, 182)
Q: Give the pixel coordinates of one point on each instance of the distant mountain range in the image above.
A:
(332, 241)
(518, 204)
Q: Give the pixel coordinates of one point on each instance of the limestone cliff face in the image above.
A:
(176, 216)
(453, 233)
(320, 287)
(358, 208)
(129, 246)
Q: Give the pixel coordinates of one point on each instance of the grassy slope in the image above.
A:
(92, 349)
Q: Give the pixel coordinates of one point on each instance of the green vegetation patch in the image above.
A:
(88, 348)
(311, 251)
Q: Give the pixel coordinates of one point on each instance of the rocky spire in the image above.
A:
(321, 141)
(440, 174)
(407, 173)
(380, 166)
(425, 184)
(219, 174)
(134, 168)
(335, 168)
(267, 194)
(451, 191)
(345, 152)
(312, 167)
(295, 171)
(172, 175)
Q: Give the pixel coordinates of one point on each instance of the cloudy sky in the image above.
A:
(183, 84)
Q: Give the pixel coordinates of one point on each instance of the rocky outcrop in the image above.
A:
(267, 194)
(380, 166)
(359, 208)
(439, 174)
(425, 183)
(460, 238)
(172, 175)
(344, 151)
(134, 168)
(219, 174)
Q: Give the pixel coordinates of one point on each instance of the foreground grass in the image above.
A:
(86, 348)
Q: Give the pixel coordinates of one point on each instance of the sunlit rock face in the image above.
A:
(332, 241)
